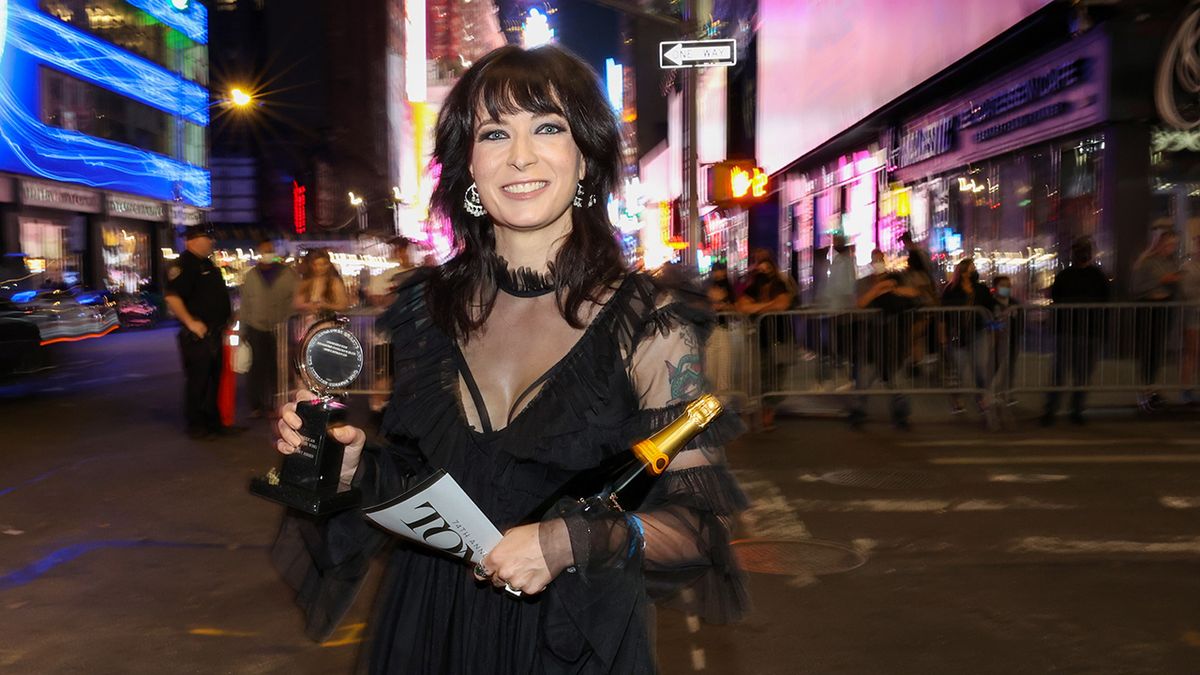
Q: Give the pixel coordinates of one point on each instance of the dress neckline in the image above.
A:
(462, 369)
(524, 282)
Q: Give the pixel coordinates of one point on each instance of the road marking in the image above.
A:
(1067, 459)
(1026, 477)
(927, 505)
(1180, 502)
(350, 634)
(1073, 546)
(218, 632)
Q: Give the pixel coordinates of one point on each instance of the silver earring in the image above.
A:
(579, 195)
(471, 202)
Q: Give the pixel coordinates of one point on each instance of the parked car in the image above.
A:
(62, 315)
(20, 339)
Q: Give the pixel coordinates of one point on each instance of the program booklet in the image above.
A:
(437, 513)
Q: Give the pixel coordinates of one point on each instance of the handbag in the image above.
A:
(243, 356)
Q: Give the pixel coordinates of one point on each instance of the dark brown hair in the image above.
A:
(545, 80)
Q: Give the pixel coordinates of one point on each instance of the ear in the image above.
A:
(582, 167)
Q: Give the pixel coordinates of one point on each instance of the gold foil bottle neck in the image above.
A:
(657, 451)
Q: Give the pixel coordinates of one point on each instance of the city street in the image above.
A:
(127, 548)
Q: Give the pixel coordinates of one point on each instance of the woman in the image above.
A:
(965, 332)
(531, 356)
(321, 288)
(1155, 280)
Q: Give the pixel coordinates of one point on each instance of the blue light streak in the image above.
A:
(27, 146)
(62, 46)
(68, 553)
(192, 22)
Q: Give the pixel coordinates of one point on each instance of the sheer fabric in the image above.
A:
(629, 373)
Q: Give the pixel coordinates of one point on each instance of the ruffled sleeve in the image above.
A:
(680, 536)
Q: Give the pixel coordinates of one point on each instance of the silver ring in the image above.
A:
(512, 590)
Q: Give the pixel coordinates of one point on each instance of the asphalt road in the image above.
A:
(127, 548)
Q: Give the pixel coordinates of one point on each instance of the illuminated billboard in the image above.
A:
(824, 65)
(32, 42)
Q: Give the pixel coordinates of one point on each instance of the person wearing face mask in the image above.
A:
(531, 356)
(769, 291)
(1006, 341)
(964, 333)
(881, 340)
(836, 294)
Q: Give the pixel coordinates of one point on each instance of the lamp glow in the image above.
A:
(240, 98)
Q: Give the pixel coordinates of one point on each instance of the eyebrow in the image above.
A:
(537, 116)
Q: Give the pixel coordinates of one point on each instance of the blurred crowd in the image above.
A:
(977, 333)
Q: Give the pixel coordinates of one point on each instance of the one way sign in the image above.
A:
(697, 53)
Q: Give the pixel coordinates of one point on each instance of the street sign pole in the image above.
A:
(691, 118)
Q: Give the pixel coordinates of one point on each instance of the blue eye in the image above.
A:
(493, 135)
(551, 129)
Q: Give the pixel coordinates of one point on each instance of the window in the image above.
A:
(132, 29)
(70, 103)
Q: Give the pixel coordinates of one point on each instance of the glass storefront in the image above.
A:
(1016, 214)
(126, 256)
(46, 245)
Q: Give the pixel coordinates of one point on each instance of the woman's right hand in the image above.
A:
(289, 438)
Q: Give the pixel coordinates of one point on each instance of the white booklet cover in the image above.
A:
(438, 513)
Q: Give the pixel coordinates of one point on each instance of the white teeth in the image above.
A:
(525, 187)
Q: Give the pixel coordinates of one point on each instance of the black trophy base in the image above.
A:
(313, 502)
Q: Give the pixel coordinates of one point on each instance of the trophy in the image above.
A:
(330, 358)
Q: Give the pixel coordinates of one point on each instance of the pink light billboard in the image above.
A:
(823, 65)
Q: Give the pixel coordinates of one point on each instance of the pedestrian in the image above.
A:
(965, 334)
(1189, 287)
(720, 289)
(321, 289)
(1077, 330)
(770, 292)
(881, 343)
(919, 261)
(836, 295)
(266, 305)
(197, 296)
(381, 287)
(531, 356)
(1009, 327)
(1155, 282)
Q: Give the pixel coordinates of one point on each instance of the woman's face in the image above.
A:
(320, 267)
(526, 167)
(1168, 244)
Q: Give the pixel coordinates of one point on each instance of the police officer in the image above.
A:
(197, 296)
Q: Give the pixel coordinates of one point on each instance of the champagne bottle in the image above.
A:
(652, 456)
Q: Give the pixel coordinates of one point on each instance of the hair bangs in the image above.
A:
(513, 84)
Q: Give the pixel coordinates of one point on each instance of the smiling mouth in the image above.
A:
(523, 188)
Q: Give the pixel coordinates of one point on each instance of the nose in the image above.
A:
(521, 152)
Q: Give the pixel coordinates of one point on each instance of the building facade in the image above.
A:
(104, 109)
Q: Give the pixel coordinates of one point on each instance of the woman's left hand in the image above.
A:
(517, 562)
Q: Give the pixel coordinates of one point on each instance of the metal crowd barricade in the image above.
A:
(375, 377)
(1106, 347)
(729, 363)
(866, 352)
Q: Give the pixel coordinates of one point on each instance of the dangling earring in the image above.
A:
(471, 202)
(579, 195)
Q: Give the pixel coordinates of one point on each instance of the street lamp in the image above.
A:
(239, 98)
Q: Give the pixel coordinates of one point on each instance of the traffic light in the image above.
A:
(735, 182)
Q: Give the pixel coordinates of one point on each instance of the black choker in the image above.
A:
(523, 282)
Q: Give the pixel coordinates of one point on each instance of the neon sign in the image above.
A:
(299, 207)
(30, 40)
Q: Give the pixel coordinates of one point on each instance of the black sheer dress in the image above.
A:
(631, 371)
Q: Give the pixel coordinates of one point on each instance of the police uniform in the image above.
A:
(198, 283)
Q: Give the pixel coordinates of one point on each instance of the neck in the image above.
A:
(534, 249)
